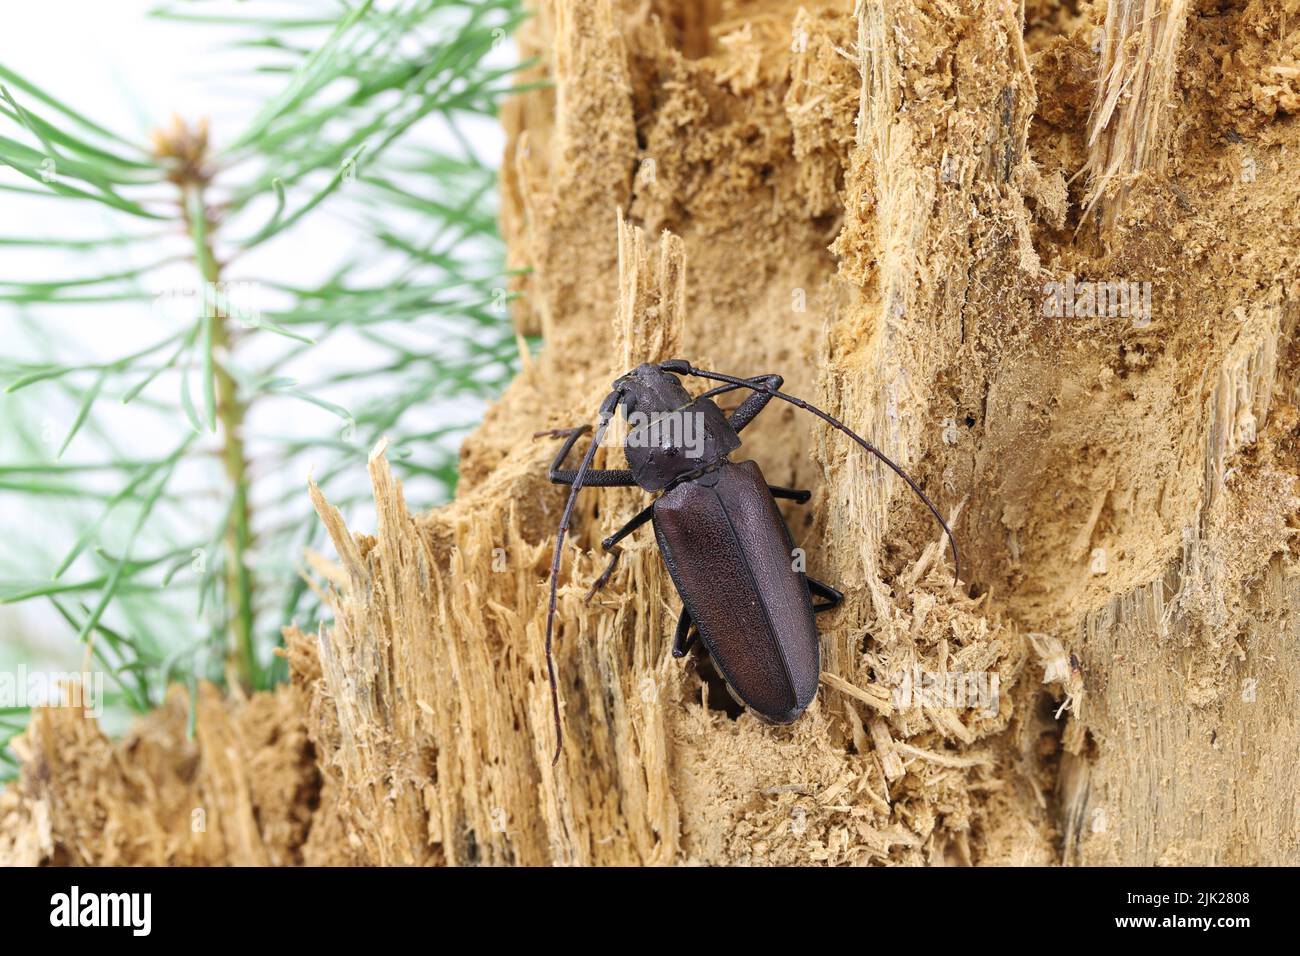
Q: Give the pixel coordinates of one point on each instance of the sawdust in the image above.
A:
(872, 200)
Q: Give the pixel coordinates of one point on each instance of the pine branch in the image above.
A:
(179, 565)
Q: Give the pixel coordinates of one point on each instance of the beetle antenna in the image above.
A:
(719, 390)
(606, 412)
(758, 386)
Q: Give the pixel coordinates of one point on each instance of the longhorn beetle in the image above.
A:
(725, 544)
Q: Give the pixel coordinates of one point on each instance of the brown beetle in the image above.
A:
(717, 525)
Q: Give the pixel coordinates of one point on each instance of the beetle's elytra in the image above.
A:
(718, 528)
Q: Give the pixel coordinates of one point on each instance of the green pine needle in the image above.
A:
(183, 563)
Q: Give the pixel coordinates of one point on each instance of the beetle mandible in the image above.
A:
(722, 538)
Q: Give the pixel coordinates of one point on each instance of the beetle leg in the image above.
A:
(797, 495)
(822, 590)
(610, 545)
(570, 434)
(748, 410)
(681, 642)
(595, 477)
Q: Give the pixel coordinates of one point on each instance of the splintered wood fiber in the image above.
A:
(875, 200)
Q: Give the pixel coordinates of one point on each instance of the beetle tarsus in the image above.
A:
(684, 637)
(614, 552)
(610, 545)
(562, 432)
(821, 589)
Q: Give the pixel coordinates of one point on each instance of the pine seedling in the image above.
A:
(180, 562)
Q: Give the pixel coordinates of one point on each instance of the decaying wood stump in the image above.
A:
(1096, 375)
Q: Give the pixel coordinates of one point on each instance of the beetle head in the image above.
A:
(648, 388)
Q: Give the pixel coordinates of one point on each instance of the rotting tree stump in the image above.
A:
(879, 203)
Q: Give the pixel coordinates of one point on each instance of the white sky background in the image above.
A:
(130, 72)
